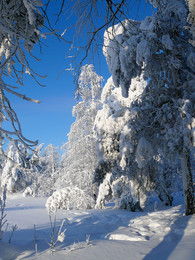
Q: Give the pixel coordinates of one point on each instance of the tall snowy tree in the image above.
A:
(116, 142)
(161, 118)
(80, 158)
(44, 172)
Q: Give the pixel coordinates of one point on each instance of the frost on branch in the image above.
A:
(20, 26)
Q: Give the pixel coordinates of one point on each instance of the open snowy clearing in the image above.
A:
(114, 234)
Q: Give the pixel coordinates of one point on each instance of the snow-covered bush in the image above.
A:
(28, 192)
(69, 198)
(119, 190)
(128, 202)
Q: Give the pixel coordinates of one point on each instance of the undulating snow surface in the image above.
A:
(114, 234)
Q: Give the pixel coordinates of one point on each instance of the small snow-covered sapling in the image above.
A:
(55, 236)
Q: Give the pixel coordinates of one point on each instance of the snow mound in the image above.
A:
(69, 198)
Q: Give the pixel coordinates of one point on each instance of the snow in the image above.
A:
(98, 234)
(69, 198)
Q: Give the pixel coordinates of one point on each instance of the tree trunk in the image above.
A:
(188, 188)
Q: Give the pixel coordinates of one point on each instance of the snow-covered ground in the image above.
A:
(114, 234)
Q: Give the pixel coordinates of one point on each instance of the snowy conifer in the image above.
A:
(161, 117)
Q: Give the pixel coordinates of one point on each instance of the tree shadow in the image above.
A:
(163, 250)
(97, 225)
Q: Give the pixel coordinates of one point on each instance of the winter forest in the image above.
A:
(131, 148)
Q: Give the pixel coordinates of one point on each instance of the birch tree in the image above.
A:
(80, 157)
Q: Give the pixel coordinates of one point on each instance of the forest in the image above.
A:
(132, 144)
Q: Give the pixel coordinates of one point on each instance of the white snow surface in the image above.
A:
(98, 234)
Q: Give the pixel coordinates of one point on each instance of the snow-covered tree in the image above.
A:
(48, 172)
(80, 157)
(115, 147)
(45, 171)
(36, 182)
(50, 159)
(13, 175)
(35, 159)
(161, 117)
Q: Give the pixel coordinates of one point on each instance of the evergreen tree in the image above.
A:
(161, 117)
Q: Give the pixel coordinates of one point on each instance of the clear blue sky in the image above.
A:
(50, 121)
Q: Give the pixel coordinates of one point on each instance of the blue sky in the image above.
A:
(50, 121)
